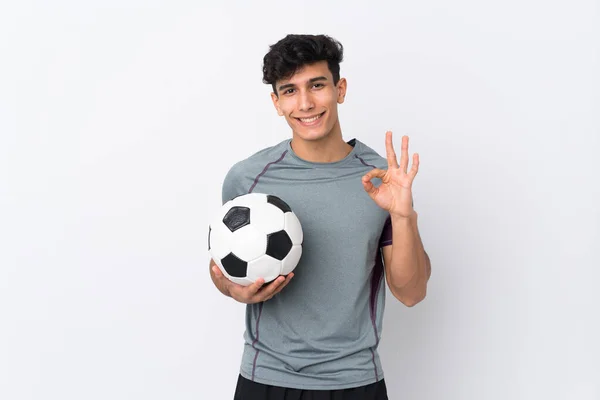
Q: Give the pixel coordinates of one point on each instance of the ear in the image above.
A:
(342, 85)
(275, 100)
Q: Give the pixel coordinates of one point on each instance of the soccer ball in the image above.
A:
(253, 236)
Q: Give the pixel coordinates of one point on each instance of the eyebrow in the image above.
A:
(312, 80)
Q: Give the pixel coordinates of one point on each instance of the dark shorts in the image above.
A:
(249, 390)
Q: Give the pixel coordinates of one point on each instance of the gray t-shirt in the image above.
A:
(323, 329)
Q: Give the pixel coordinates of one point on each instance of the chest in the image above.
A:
(330, 208)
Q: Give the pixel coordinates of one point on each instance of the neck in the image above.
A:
(330, 148)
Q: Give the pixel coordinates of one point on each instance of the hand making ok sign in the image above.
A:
(395, 192)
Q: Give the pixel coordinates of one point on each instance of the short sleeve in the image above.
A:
(232, 186)
(386, 234)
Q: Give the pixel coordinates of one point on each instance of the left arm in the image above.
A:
(407, 265)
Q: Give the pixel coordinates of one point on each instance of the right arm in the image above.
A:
(257, 291)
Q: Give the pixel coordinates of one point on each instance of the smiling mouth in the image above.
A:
(311, 119)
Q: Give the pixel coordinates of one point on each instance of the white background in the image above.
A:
(119, 120)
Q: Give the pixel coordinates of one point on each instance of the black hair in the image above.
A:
(294, 51)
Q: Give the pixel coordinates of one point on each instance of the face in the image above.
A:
(308, 101)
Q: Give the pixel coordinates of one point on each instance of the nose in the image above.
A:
(305, 101)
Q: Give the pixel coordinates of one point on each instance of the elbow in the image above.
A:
(413, 301)
(410, 298)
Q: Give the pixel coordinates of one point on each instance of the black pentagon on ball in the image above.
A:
(234, 266)
(278, 245)
(277, 202)
(236, 217)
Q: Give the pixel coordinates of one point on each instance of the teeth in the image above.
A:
(308, 120)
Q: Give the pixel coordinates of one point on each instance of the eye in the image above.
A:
(288, 91)
(318, 85)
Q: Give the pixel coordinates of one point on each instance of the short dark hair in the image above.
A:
(294, 51)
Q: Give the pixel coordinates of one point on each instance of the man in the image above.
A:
(313, 334)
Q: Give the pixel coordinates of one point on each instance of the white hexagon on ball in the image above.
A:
(248, 243)
(265, 267)
(267, 218)
(220, 240)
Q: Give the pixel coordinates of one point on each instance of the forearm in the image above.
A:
(409, 264)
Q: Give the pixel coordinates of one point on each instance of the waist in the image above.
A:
(327, 370)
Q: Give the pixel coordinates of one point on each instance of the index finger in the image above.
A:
(253, 288)
(374, 173)
(269, 290)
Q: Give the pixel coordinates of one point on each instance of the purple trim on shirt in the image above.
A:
(377, 275)
(265, 170)
(374, 364)
(363, 161)
(261, 304)
(376, 278)
(260, 307)
(386, 234)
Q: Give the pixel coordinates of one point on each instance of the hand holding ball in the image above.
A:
(255, 236)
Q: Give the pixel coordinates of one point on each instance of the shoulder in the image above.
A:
(242, 174)
(258, 160)
(369, 156)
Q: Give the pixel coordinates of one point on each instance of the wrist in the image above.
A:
(403, 217)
